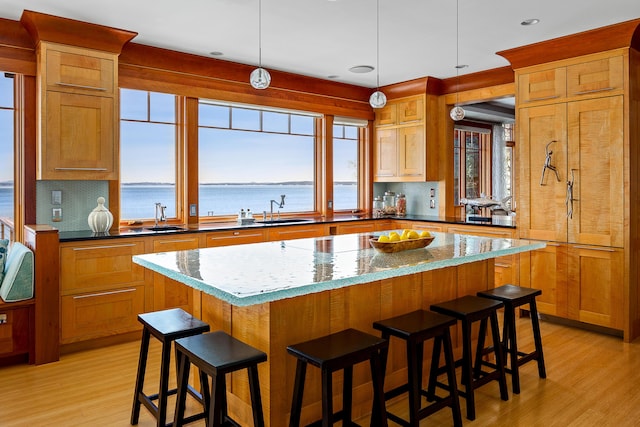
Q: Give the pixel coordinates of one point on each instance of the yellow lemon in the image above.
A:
(425, 233)
(383, 239)
(413, 234)
(394, 237)
(393, 233)
(404, 236)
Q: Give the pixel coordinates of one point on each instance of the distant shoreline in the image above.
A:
(238, 183)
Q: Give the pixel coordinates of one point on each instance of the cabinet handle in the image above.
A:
(553, 244)
(585, 92)
(594, 248)
(81, 169)
(100, 294)
(543, 98)
(101, 89)
(165, 242)
(501, 265)
(128, 245)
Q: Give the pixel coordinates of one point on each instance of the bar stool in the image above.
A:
(217, 354)
(513, 297)
(469, 309)
(415, 328)
(166, 326)
(341, 350)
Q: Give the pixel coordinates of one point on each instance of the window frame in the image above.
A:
(484, 153)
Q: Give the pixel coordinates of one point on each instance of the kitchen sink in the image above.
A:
(165, 228)
(283, 221)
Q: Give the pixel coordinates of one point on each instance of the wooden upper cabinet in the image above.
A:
(596, 162)
(546, 85)
(596, 77)
(78, 70)
(411, 156)
(411, 110)
(385, 154)
(78, 111)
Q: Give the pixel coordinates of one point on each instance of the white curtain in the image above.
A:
(499, 177)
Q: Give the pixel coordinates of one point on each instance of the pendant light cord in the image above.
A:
(260, 33)
(378, 45)
(457, 51)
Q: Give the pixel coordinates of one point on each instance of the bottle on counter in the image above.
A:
(249, 214)
(378, 207)
(241, 214)
(401, 205)
(389, 201)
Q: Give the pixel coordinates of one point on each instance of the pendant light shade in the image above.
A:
(457, 112)
(377, 98)
(260, 78)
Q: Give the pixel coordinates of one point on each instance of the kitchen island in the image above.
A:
(274, 294)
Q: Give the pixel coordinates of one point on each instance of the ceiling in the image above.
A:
(322, 38)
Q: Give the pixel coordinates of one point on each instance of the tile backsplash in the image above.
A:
(78, 199)
(418, 195)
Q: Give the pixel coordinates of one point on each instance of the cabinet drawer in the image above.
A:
(599, 77)
(414, 225)
(547, 85)
(386, 115)
(14, 331)
(234, 237)
(178, 242)
(359, 227)
(100, 314)
(76, 70)
(94, 267)
(285, 233)
(481, 231)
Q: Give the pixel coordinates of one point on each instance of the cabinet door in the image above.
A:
(168, 293)
(80, 142)
(597, 78)
(596, 276)
(539, 86)
(356, 227)
(596, 166)
(296, 232)
(411, 110)
(542, 213)
(386, 115)
(386, 156)
(234, 237)
(77, 70)
(546, 269)
(411, 157)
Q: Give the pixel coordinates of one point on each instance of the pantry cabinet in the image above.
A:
(574, 186)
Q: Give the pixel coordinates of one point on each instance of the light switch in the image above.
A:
(56, 214)
(56, 197)
(193, 210)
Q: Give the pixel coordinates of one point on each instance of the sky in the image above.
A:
(6, 129)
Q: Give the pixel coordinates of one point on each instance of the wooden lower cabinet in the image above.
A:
(166, 292)
(233, 237)
(296, 232)
(578, 282)
(355, 227)
(102, 290)
(16, 328)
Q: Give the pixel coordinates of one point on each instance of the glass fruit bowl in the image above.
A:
(402, 245)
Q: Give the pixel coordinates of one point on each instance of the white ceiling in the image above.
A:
(322, 38)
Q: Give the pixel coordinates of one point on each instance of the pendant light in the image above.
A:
(457, 113)
(377, 98)
(260, 78)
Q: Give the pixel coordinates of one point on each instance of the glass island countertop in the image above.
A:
(257, 273)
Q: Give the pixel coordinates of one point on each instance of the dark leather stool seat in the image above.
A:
(416, 328)
(166, 326)
(217, 354)
(341, 350)
(513, 297)
(469, 309)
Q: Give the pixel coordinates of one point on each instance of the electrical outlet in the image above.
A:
(56, 197)
(56, 214)
(432, 203)
(193, 210)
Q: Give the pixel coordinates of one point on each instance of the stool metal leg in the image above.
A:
(142, 367)
(298, 389)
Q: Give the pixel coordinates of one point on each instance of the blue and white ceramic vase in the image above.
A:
(100, 219)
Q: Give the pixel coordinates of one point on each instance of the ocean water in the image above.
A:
(138, 201)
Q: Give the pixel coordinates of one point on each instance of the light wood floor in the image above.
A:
(592, 380)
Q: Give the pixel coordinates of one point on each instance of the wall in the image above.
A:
(417, 193)
(79, 198)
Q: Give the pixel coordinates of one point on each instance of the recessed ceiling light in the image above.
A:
(461, 66)
(216, 53)
(360, 69)
(333, 76)
(532, 21)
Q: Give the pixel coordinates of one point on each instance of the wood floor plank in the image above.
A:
(592, 380)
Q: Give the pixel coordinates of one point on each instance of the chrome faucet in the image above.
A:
(280, 204)
(160, 213)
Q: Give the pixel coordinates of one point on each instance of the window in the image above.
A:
(472, 163)
(345, 167)
(148, 136)
(250, 156)
(7, 110)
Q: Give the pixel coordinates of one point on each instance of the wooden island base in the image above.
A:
(272, 326)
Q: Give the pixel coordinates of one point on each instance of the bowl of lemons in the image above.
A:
(404, 241)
